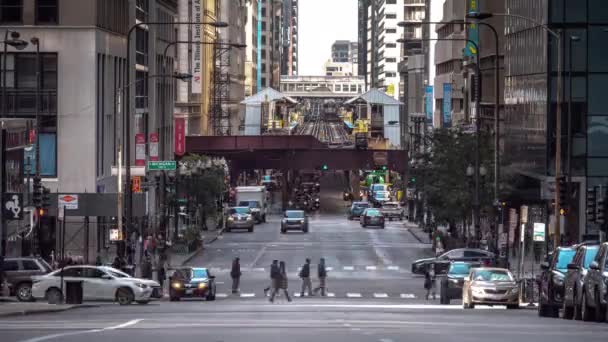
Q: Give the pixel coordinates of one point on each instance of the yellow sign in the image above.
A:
(390, 89)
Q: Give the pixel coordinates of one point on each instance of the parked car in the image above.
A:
(240, 218)
(19, 272)
(490, 286)
(356, 209)
(372, 217)
(552, 281)
(393, 210)
(594, 297)
(451, 285)
(99, 283)
(294, 219)
(443, 261)
(192, 282)
(574, 280)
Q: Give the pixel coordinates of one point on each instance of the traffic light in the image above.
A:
(324, 167)
(591, 205)
(46, 197)
(601, 211)
(563, 194)
(37, 192)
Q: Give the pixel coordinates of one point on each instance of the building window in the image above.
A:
(141, 46)
(263, 82)
(11, 11)
(391, 45)
(391, 30)
(263, 25)
(391, 74)
(391, 60)
(263, 53)
(141, 10)
(263, 67)
(141, 90)
(46, 12)
(391, 2)
(391, 16)
(263, 40)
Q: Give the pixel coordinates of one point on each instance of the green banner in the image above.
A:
(473, 30)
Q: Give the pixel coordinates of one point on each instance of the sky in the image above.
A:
(321, 23)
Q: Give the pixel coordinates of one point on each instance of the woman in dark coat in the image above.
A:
(429, 281)
(282, 283)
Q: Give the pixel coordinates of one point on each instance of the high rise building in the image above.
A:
(251, 39)
(269, 44)
(344, 57)
(362, 36)
(449, 79)
(289, 55)
(383, 50)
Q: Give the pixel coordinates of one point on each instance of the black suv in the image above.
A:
(451, 285)
(18, 273)
(552, 281)
(594, 297)
(442, 262)
(573, 282)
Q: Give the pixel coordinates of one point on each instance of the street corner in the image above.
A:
(10, 309)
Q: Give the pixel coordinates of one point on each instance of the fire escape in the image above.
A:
(220, 117)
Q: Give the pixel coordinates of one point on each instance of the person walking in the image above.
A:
(305, 276)
(280, 283)
(274, 271)
(322, 274)
(429, 281)
(235, 273)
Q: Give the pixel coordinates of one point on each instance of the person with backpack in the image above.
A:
(322, 274)
(305, 276)
(281, 283)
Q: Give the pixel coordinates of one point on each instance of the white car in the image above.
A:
(100, 283)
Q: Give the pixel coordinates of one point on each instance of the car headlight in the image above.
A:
(141, 286)
(176, 285)
(249, 217)
(302, 221)
(514, 290)
(453, 281)
(231, 219)
(202, 286)
(255, 210)
(558, 280)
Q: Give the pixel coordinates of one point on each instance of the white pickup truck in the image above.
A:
(391, 210)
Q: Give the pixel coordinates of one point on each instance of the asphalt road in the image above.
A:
(374, 297)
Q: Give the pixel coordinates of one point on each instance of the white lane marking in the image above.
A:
(247, 295)
(124, 325)
(408, 295)
(393, 268)
(370, 268)
(330, 294)
(220, 282)
(349, 268)
(329, 268)
(296, 294)
(380, 295)
(221, 295)
(353, 295)
(73, 333)
(385, 340)
(258, 269)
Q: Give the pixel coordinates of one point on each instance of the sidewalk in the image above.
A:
(9, 307)
(208, 237)
(417, 232)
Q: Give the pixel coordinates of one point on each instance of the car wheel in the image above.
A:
(53, 296)
(227, 230)
(174, 299)
(210, 297)
(512, 306)
(585, 309)
(283, 231)
(143, 302)
(350, 218)
(401, 218)
(363, 225)
(250, 229)
(24, 292)
(390, 219)
(305, 230)
(568, 311)
(382, 227)
(124, 296)
(577, 309)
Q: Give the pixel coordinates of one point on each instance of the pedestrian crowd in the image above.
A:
(279, 281)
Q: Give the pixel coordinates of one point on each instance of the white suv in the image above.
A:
(100, 283)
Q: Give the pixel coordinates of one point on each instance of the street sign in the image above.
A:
(136, 184)
(12, 206)
(380, 158)
(163, 165)
(115, 235)
(70, 202)
(539, 232)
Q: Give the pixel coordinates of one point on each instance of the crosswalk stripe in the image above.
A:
(330, 294)
(247, 295)
(393, 268)
(380, 295)
(370, 268)
(258, 269)
(353, 295)
(349, 268)
(329, 268)
(221, 295)
(408, 295)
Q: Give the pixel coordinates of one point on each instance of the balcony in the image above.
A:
(414, 3)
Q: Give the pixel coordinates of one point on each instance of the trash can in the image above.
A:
(73, 292)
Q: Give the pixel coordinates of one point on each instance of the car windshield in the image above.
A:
(564, 258)
(116, 273)
(459, 269)
(240, 210)
(492, 275)
(361, 205)
(382, 194)
(590, 256)
(250, 204)
(390, 206)
(45, 265)
(373, 212)
(199, 273)
(377, 187)
(294, 214)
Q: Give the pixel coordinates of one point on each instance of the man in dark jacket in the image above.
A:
(275, 273)
(322, 274)
(305, 276)
(235, 273)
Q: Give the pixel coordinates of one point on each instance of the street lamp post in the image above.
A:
(558, 113)
(569, 155)
(476, 200)
(127, 116)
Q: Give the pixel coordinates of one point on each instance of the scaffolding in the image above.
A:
(220, 116)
